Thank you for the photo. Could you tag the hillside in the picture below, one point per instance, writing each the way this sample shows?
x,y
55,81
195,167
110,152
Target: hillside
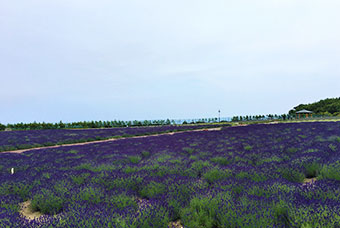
x,y
329,106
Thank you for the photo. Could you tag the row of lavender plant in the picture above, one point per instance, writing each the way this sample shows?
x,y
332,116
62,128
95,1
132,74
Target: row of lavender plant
x,y
13,140
238,177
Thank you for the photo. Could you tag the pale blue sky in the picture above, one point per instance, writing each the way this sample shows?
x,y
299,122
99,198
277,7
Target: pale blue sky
x,y
76,60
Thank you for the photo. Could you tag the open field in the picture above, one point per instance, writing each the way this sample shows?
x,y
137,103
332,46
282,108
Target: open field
x,y
16,140
265,175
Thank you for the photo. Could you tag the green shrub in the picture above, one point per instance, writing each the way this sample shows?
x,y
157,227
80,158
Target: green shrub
x,y
331,171
163,158
179,195
292,150
242,175
188,150
153,189
292,175
91,195
129,183
258,177
80,179
201,213
220,160
237,189
19,189
134,159
332,147
281,213
47,202
312,169
130,170
214,175
145,154
248,147
153,217
198,167
122,201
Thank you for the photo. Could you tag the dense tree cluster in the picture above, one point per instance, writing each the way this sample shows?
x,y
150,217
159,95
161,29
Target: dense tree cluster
x,y
2,127
326,107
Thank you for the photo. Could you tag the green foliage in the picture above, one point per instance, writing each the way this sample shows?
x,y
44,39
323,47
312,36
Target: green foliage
x,y
130,170
46,175
153,190
2,127
214,175
331,171
258,177
19,189
80,179
134,159
179,194
72,152
292,150
268,160
129,183
292,175
259,191
281,213
87,166
122,201
200,213
153,217
188,150
145,154
329,105
332,147
220,160
91,195
312,169
198,166
193,157
242,175
248,147
322,216
163,158
47,202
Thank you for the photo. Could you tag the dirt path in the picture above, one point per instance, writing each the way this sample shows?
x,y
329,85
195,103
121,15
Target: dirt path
x,y
109,140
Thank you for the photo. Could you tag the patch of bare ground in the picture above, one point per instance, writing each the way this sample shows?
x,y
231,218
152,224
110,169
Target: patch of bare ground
x,y
108,140
26,211
274,122
142,203
176,224
309,181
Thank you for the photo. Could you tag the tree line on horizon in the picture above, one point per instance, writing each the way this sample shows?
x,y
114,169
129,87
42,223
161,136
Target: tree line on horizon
x,y
101,124
135,123
262,117
326,107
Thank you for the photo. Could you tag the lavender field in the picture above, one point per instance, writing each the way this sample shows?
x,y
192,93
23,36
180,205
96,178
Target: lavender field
x,y
13,140
265,175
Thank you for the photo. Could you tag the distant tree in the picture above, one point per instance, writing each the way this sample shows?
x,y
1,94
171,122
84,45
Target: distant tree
x,y
235,118
2,127
61,124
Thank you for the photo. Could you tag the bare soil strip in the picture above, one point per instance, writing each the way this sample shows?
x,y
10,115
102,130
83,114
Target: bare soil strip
x,y
26,211
309,181
109,140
